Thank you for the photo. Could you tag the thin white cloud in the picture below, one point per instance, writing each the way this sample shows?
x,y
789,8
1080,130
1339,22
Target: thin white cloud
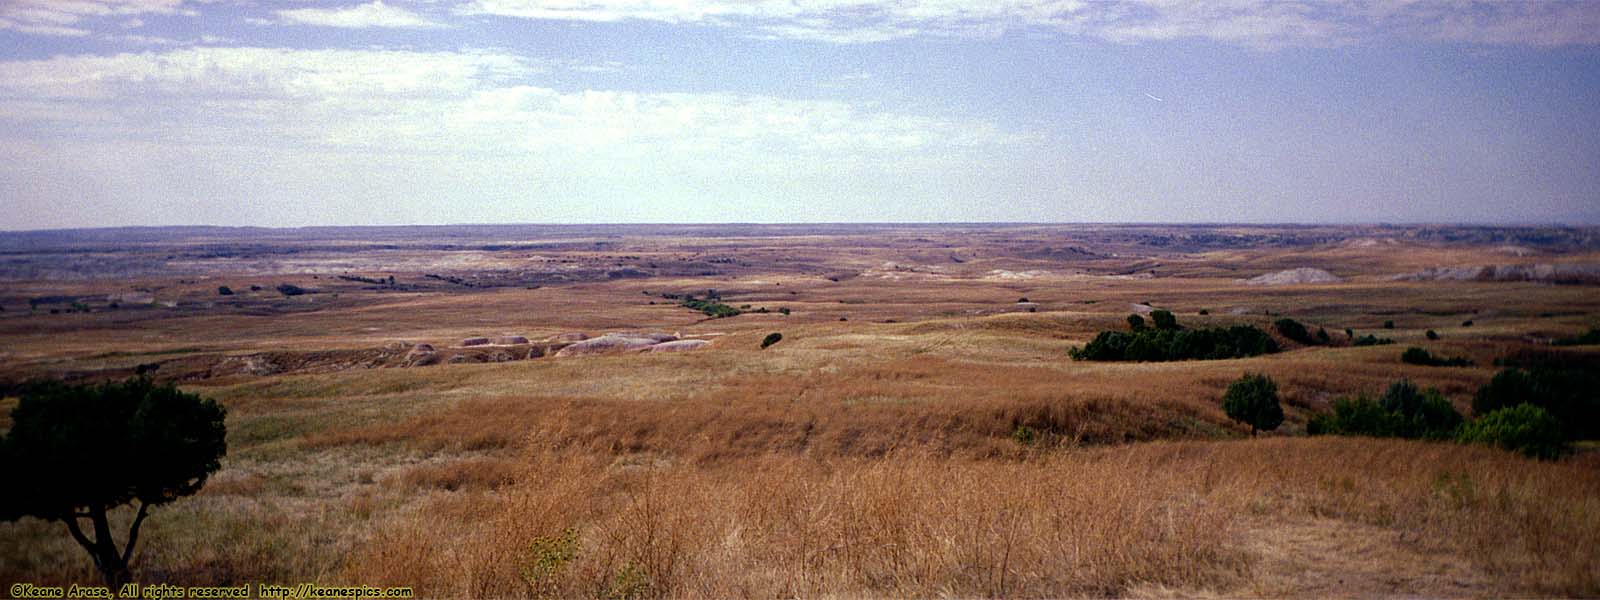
x,y
360,16
71,17
1254,23
450,103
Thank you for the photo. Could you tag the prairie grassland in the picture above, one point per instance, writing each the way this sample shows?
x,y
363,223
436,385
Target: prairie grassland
x,y
938,442
881,460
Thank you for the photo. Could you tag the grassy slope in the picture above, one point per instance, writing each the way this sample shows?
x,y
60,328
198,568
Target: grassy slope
x,y
857,457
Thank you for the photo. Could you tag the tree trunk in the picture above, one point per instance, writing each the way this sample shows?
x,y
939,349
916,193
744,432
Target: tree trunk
x,y
113,565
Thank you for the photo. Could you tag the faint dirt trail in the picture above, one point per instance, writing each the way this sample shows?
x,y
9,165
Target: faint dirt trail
x,y
1329,558
1322,558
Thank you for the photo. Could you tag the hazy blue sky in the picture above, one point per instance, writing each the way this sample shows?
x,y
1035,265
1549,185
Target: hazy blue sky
x,y
284,112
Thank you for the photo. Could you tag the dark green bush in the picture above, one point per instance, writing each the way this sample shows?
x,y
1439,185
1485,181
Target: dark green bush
x,y
1322,336
1388,324
1253,400
1402,411
1156,345
772,338
1523,428
1419,413
289,289
1135,322
711,308
1293,330
1572,396
1164,319
1352,416
1370,340
1419,356
1587,338
1432,335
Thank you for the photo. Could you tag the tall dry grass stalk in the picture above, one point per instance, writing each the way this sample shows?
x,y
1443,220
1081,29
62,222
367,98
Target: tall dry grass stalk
x,y
1092,522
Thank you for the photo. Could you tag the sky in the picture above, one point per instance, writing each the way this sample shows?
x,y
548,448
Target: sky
x,y
341,112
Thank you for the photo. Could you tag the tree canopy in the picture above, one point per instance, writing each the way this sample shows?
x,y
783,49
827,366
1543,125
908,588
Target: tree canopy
x,y
1253,400
75,452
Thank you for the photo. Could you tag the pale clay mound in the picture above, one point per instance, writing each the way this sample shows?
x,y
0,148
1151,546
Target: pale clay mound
x,y
607,344
1566,273
1298,276
678,346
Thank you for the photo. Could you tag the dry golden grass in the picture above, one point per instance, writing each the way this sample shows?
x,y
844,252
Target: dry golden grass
x,y
952,452
1089,522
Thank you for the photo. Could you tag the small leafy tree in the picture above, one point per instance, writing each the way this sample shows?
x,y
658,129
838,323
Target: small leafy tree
x,y
772,338
76,453
1253,400
1135,322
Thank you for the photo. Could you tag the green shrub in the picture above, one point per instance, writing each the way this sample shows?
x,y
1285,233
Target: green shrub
x,y
1588,338
1370,340
1024,435
1571,395
1402,411
1388,324
1135,322
1253,400
1322,336
772,338
1432,335
1419,414
1352,416
1523,428
1419,356
1164,319
546,559
1466,323
1293,330
711,308
1157,345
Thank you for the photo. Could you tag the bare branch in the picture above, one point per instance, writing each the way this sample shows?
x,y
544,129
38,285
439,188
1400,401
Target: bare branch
x,y
83,540
133,531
